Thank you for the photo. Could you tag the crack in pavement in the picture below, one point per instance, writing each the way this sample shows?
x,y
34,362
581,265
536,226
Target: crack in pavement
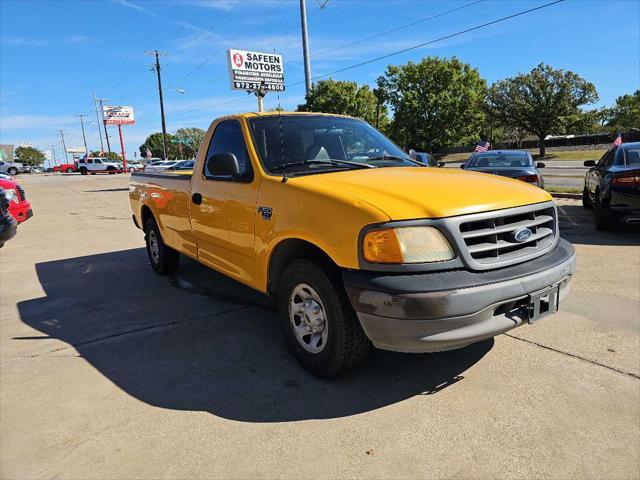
x,y
593,362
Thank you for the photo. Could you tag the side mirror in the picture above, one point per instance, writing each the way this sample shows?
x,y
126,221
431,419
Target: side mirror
x,y
223,164
540,165
441,164
413,154
590,163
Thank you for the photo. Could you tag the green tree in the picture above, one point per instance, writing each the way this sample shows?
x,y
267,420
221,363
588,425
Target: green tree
x,y
588,121
190,139
30,155
625,114
543,101
345,98
437,102
154,143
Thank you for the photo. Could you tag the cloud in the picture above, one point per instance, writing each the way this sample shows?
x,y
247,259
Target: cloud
x,y
30,42
151,13
81,39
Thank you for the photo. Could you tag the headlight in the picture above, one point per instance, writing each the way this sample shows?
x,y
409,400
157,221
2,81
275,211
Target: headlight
x,y
11,194
406,245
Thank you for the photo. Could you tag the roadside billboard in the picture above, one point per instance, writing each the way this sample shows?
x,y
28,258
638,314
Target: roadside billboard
x,y
6,153
122,115
249,70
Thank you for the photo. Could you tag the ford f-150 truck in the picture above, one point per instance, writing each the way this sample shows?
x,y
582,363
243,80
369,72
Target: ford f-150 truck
x,y
359,243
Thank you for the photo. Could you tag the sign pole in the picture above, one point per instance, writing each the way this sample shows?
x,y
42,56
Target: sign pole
x,y
124,158
260,105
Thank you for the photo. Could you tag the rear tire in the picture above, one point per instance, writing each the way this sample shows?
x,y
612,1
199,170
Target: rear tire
x,y
602,216
83,171
314,305
69,170
12,171
586,201
163,259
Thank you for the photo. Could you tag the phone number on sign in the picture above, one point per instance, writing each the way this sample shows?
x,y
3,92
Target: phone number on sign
x,y
256,86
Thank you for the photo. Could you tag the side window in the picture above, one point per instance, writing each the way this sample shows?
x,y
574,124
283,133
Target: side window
x,y
90,160
97,161
605,161
228,138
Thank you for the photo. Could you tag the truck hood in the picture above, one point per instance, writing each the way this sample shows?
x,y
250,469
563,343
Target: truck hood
x,y
405,193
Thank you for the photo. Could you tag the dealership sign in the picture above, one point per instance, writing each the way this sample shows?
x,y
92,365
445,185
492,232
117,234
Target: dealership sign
x,y
250,70
118,115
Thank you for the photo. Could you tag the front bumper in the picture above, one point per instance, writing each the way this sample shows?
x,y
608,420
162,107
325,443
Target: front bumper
x,y
22,211
437,311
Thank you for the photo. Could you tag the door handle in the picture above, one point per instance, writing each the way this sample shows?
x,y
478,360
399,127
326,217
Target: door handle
x,y
196,198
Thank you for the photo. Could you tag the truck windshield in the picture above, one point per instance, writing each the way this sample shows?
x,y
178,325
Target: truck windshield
x,y
308,143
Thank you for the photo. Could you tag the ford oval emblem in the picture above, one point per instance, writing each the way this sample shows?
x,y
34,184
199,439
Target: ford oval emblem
x,y
522,234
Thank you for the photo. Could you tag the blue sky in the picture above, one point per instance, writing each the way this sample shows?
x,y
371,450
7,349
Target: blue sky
x,y
55,54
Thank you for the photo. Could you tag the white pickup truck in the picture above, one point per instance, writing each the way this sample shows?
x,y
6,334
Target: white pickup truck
x,y
93,165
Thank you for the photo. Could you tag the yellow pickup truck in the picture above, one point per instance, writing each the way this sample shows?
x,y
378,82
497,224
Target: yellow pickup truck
x,y
359,243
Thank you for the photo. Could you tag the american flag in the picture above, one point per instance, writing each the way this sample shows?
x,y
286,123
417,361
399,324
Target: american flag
x,y
482,146
616,142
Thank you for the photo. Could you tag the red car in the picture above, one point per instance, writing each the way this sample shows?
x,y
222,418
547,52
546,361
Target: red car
x,y
19,207
65,167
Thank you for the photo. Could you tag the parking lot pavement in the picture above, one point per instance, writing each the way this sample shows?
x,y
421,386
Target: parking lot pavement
x,y
110,371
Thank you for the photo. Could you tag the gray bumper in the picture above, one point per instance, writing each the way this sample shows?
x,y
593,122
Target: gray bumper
x,y
451,309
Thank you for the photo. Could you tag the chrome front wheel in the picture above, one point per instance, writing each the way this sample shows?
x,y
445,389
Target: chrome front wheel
x,y
308,318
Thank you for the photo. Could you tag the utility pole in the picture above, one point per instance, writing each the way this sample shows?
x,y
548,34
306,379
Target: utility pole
x,y
305,46
84,139
64,147
95,104
53,156
106,134
156,67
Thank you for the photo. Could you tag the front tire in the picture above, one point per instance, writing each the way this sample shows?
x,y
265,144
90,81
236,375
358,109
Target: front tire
x,y
69,170
83,171
319,325
163,259
12,171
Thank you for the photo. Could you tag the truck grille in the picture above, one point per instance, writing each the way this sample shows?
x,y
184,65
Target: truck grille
x,y
491,239
21,195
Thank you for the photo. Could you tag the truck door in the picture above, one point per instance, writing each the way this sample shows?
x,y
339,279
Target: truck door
x,y
223,207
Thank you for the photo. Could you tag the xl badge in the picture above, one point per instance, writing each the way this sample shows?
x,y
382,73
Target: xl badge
x,y
522,234
266,212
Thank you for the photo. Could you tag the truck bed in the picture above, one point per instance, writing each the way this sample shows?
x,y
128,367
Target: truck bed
x,y
168,197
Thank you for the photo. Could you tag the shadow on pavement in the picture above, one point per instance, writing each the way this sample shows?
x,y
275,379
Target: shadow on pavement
x,y
199,341
576,226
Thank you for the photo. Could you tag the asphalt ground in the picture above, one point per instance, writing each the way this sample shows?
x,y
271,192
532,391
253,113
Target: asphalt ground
x,y
108,370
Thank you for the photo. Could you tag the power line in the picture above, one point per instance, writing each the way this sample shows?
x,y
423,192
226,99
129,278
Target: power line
x,y
439,39
366,62
393,30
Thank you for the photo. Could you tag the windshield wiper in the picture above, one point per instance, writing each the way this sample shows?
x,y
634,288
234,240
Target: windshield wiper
x,y
395,157
321,162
